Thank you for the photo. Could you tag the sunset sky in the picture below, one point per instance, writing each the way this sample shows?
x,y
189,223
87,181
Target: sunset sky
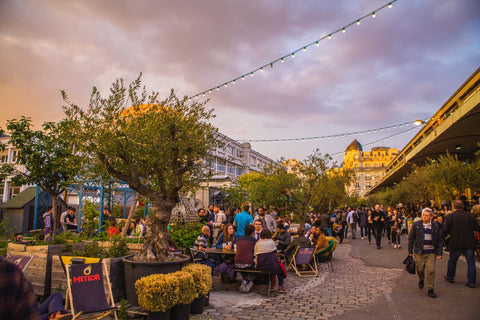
x,y
396,67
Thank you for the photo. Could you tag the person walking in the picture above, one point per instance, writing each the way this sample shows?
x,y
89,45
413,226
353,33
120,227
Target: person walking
x,y
460,225
378,220
426,245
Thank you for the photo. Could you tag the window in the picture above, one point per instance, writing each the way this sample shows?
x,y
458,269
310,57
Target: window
x,y
239,153
230,150
221,166
231,169
357,185
4,158
239,171
253,161
210,164
14,156
14,191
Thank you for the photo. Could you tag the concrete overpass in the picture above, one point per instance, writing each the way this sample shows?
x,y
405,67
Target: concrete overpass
x,y
454,128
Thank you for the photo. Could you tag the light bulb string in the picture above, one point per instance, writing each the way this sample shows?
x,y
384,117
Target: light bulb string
x,y
376,141
281,59
345,134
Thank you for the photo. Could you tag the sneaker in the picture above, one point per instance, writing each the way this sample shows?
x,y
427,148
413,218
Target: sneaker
x,y
421,284
362,238
249,286
399,246
243,286
281,289
431,293
447,279
470,285
395,246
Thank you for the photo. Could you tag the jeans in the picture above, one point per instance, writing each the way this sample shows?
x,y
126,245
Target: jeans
x,y
51,305
363,232
377,233
452,264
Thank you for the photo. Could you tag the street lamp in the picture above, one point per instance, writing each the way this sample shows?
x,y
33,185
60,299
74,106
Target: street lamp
x,y
418,122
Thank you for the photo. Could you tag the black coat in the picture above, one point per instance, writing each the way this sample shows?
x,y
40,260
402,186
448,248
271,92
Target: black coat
x,y
460,225
417,235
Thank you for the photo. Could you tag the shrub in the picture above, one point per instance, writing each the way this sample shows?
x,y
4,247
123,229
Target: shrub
x,y
157,292
202,277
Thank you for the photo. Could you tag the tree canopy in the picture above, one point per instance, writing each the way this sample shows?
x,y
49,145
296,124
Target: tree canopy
x,y
157,147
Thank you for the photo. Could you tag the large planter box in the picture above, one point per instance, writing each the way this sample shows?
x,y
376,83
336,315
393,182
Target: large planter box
x,y
135,270
44,270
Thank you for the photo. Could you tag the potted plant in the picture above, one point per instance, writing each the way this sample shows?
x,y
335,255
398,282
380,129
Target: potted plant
x,y
202,277
187,293
157,294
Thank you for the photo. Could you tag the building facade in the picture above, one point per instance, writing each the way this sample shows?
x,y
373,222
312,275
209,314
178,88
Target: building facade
x,y
369,166
9,155
225,164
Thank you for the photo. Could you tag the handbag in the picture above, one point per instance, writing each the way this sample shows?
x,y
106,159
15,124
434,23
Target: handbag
x,y
410,265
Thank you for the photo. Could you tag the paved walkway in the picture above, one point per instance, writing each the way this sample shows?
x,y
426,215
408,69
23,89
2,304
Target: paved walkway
x,y
366,283
351,284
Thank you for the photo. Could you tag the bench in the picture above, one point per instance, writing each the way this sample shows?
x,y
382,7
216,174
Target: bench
x,y
258,272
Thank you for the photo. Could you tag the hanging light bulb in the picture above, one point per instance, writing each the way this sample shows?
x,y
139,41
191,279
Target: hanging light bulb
x,y
330,36
233,82
293,54
251,73
390,5
343,30
304,49
316,43
210,91
358,22
261,69
282,60
243,77
373,14
218,88
271,65
225,84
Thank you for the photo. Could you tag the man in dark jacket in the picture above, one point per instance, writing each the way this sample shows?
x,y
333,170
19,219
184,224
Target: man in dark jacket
x,y
378,219
425,240
460,225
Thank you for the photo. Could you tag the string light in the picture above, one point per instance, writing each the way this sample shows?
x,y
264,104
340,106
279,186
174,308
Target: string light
x,y
379,140
338,135
304,48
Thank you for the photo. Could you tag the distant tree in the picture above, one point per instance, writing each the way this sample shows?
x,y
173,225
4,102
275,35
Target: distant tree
x,y
47,156
155,146
331,191
451,177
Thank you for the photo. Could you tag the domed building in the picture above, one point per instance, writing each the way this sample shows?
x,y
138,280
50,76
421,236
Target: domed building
x,y
369,166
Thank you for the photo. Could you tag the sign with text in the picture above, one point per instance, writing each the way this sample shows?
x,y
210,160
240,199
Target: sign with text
x,y
88,293
304,255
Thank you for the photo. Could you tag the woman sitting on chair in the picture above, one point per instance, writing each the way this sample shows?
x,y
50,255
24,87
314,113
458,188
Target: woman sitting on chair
x,y
265,250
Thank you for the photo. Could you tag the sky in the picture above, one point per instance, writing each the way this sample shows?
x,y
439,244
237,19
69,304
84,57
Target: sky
x,y
394,68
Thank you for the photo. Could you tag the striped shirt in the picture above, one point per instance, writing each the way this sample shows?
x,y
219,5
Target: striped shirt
x,y
427,239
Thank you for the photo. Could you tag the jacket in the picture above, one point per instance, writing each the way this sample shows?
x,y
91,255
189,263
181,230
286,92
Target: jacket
x,y
460,225
416,237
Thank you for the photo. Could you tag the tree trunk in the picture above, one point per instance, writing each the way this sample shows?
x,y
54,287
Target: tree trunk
x,y
157,239
129,218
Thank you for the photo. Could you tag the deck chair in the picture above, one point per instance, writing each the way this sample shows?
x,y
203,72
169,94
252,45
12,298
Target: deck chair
x,y
85,289
21,261
304,256
322,256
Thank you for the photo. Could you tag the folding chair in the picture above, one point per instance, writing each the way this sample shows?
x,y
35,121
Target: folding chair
x,y
85,289
321,257
21,261
304,256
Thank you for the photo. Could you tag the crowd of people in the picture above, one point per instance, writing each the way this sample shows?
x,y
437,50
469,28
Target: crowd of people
x,y
262,237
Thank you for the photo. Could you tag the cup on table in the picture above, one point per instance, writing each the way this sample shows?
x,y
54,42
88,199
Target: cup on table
x,y
224,245
235,247
229,243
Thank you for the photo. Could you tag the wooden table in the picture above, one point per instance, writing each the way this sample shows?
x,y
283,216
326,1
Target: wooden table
x,y
220,251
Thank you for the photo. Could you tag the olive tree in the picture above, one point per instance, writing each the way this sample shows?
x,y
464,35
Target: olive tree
x,y
156,146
